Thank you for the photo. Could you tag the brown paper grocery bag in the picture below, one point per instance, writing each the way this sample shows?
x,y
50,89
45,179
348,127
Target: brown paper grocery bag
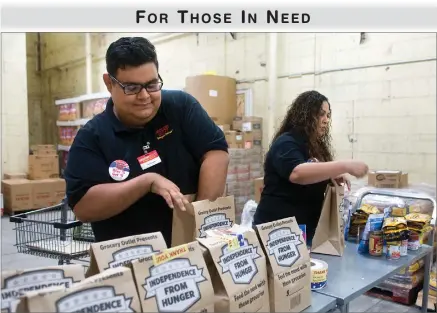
x,y
288,266
329,238
120,252
201,216
175,280
237,265
112,290
16,283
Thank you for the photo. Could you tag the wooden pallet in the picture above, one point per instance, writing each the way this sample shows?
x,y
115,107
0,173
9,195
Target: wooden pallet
x,y
408,298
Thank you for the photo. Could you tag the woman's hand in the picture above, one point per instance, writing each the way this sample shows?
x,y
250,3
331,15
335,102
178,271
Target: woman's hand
x,y
342,180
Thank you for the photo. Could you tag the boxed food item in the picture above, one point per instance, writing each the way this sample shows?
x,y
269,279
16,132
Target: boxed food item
x,y
17,195
289,266
66,134
174,280
15,283
237,266
120,252
201,216
69,111
91,108
216,94
111,291
43,166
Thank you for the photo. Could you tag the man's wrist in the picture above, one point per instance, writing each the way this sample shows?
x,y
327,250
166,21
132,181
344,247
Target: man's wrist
x,y
149,180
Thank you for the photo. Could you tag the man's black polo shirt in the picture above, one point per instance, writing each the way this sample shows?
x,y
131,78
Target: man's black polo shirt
x,y
181,133
281,198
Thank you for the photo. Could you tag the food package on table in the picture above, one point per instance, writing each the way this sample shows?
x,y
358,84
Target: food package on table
x,y
395,211
379,201
374,223
359,218
417,221
394,228
420,206
425,234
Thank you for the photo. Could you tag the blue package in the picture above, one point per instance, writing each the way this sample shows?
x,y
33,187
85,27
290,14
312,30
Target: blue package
x,y
303,228
374,223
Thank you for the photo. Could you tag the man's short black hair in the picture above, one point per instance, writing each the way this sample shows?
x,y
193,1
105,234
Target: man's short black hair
x,y
129,52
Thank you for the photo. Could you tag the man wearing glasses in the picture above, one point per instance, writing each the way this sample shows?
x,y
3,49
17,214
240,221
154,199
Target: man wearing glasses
x,y
132,164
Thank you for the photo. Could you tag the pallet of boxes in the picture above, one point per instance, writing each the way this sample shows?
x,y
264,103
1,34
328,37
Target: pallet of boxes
x,y
218,96
40,187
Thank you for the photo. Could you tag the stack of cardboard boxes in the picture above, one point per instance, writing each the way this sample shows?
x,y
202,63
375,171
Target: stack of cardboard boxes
x,y
218,96
40,187
245,165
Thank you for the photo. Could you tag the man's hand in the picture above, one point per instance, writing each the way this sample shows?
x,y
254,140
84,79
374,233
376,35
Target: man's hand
x,y
342,179
169,191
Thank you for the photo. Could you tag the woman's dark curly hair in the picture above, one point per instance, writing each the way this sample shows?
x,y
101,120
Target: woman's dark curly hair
x,y
302,116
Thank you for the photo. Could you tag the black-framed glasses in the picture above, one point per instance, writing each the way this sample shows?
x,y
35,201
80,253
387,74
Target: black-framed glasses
x,y
133,89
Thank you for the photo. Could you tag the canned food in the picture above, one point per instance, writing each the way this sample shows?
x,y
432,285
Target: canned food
x,y
414,241
393,250
404,247
375,243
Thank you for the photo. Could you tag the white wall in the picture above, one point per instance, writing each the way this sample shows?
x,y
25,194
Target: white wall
x,y
14,114
382,91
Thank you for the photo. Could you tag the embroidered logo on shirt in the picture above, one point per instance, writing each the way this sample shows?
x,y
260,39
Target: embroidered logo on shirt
x,y
163,131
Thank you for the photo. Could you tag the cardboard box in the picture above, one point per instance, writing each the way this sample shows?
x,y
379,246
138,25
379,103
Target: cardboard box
x,y
388,179
23,194
225,127
43,150
43,166
233,137
258,186
47,192
17,195
289,266
216,94
15,176
247,123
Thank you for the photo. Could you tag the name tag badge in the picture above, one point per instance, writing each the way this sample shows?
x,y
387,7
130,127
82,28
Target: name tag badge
x,y
149,159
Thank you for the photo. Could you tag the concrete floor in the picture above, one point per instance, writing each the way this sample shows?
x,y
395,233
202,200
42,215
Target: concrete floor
x,y
12,260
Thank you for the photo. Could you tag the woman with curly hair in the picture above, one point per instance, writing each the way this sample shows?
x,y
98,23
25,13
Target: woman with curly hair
x,y
300,164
